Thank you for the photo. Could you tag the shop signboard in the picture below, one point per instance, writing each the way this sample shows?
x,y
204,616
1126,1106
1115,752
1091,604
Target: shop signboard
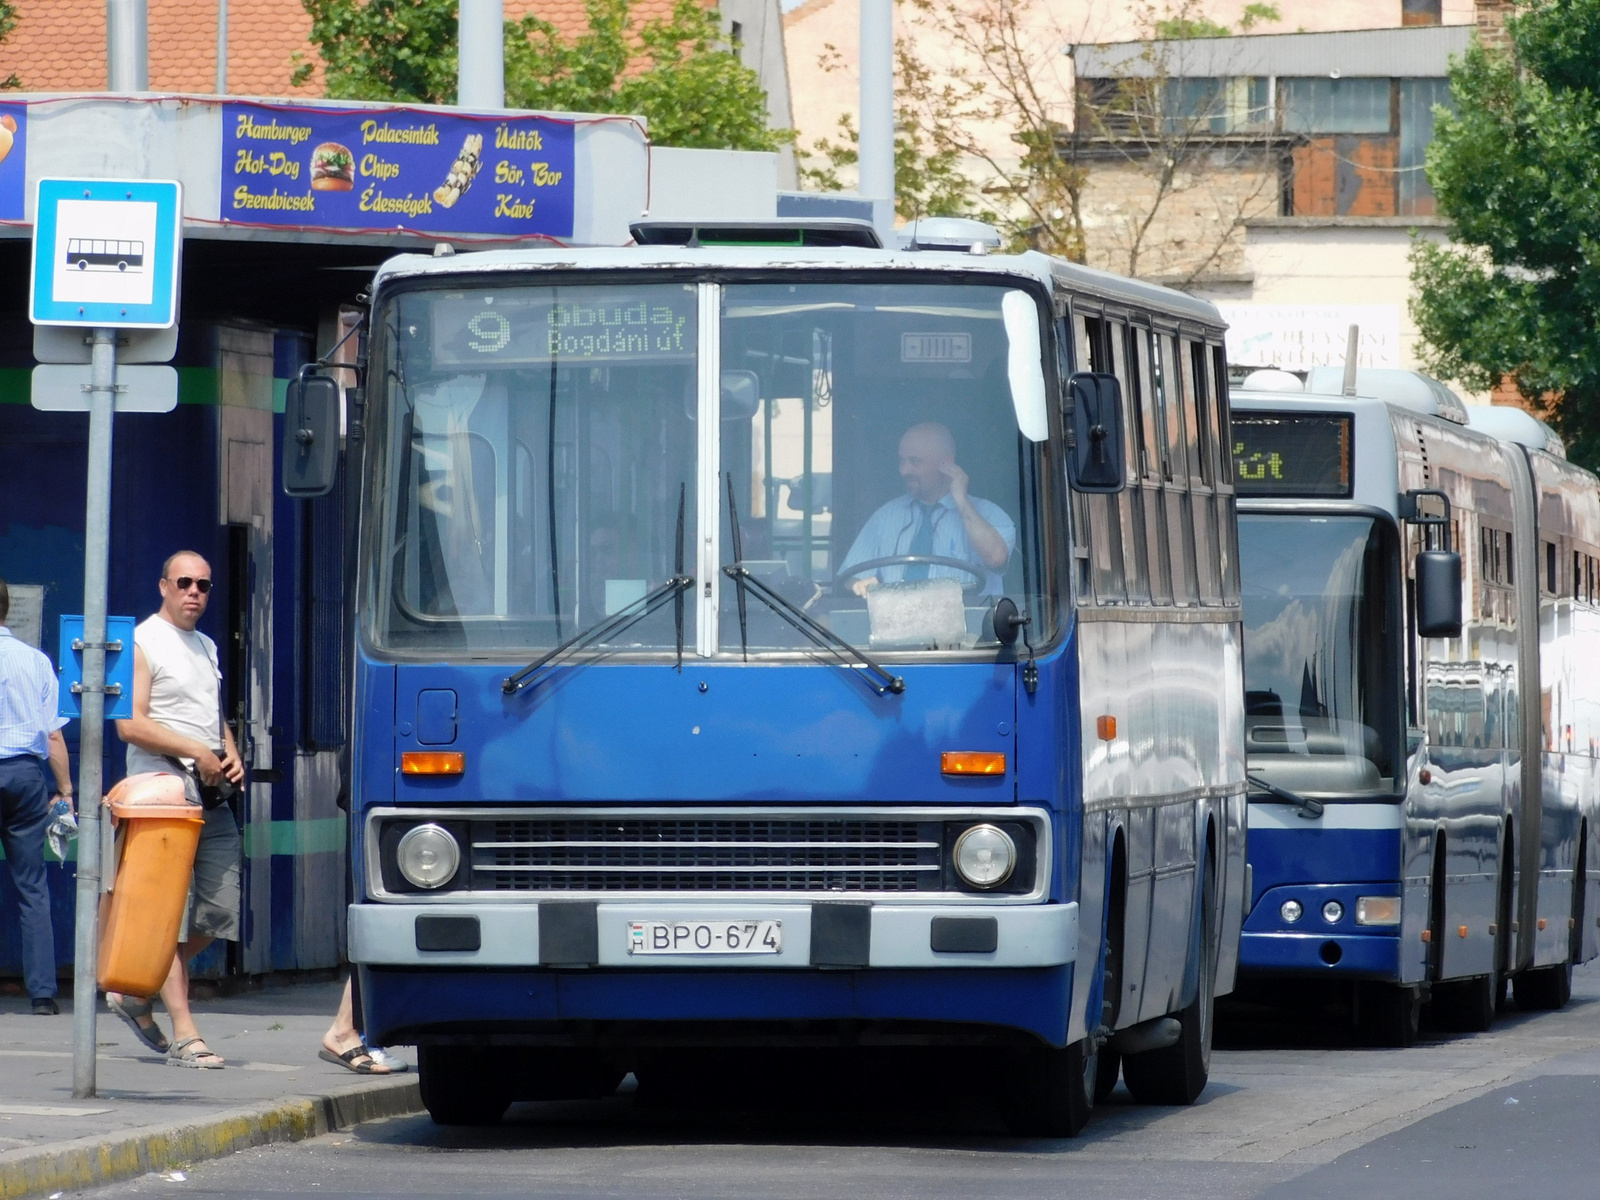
x,y
13,162
407,168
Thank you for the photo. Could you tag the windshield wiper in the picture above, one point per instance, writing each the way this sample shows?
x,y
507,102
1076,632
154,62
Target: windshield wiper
x,y
794,614
627,615
820,634
1308,807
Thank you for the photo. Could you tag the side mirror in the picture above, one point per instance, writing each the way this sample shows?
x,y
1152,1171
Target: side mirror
x,y
310,436
741,395
1438,594
1095,461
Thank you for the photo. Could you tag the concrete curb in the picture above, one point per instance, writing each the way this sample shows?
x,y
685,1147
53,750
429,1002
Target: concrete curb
x,y
93,1161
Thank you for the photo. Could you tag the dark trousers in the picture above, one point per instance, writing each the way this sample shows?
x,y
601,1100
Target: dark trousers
x,y
24,813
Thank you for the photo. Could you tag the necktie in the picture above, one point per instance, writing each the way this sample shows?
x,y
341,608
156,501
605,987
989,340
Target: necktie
x,y
921,540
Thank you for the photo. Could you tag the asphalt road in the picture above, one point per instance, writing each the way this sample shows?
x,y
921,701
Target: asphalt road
x,y
1294,1109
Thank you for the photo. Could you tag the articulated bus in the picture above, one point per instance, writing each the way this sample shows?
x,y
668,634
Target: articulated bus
x,y
738,666
1422,625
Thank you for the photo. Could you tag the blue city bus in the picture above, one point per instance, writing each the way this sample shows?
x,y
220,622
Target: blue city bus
x,y
644,770
1422,710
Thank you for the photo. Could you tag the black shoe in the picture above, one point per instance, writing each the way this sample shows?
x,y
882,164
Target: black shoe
x,y
44,1006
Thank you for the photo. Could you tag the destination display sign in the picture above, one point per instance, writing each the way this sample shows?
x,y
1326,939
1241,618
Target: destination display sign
x,y
397,167
514,326
1292,454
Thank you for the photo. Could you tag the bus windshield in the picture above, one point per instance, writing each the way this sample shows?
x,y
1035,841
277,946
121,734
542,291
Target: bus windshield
x,y
1321,655
877,464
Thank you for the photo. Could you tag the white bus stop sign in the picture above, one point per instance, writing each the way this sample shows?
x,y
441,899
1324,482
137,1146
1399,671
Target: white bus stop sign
x,y
105,253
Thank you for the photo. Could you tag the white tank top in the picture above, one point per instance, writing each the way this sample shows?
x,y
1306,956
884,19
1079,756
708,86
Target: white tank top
x,y
185,683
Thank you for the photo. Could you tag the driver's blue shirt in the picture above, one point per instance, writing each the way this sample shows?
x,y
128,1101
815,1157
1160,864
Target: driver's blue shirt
x,y
890,531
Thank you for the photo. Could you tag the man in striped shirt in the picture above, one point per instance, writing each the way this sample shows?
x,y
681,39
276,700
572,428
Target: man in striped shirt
x,y
30,738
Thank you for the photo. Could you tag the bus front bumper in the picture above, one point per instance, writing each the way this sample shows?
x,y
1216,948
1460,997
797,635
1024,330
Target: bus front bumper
x,y
822,935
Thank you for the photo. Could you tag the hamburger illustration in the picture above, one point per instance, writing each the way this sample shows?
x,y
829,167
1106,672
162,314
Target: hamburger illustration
x,y
333,168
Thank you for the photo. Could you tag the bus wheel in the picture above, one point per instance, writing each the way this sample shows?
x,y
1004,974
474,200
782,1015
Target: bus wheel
x,y
1110,1070
1390,1014
1051,1092
1465,1005
1177,1074
1543,989
461,1085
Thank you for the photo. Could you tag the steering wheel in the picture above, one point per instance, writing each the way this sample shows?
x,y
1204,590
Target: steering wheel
x,y
978,572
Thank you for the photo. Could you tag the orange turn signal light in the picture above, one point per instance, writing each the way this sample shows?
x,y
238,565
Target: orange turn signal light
x,y
432,762
1105,728
972,762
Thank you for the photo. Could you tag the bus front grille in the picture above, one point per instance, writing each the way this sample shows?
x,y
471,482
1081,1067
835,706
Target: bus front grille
x,y
637,854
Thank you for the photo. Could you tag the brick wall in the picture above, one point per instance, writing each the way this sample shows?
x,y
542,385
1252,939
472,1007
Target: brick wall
x,y
1196,228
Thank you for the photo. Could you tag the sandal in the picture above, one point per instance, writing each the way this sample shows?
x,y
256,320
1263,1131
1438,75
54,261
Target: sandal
x,y
184,1054
348,1060
131,1011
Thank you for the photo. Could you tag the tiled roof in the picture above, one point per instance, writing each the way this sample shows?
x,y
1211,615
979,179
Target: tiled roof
x,y
60,45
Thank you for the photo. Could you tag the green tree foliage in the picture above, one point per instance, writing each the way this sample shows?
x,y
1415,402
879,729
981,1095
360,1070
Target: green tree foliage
x,y
675,70
1183,25
1517,169
8,22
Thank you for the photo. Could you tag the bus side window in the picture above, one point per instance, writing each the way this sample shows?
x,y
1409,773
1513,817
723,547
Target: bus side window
x,y
1217,378
1085,335
1157,540
1136,578
1207,545
1196,405
1216,374
1183,522
1143,404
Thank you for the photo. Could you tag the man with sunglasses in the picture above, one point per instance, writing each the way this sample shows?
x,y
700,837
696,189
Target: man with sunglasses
x,y
177,729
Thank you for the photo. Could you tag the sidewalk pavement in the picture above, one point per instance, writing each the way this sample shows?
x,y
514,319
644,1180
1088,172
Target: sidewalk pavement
x,y
149,1116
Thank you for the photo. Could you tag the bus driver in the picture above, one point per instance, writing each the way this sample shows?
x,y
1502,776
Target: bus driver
x,y
936,517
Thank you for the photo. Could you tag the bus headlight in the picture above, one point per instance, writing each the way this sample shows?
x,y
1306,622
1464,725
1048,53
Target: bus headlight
x,y
1333,912
1291,911
985,856
428,856
1377,910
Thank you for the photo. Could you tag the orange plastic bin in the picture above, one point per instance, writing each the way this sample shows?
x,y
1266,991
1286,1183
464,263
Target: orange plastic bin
x,y
140,916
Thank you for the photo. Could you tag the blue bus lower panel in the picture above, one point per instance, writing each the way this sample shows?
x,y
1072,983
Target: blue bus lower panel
x,y
1313,855
402,1005
1363,955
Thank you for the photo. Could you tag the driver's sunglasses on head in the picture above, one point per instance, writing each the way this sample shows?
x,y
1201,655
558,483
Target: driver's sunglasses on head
x,y
184,582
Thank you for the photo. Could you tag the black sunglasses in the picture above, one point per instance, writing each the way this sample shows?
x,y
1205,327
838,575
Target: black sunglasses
x,y
184,582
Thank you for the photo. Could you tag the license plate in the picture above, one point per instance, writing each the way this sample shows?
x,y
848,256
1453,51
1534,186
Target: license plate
x,y
705,937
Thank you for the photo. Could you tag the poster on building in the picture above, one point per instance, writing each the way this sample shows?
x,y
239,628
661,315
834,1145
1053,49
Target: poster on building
x,y
1297,337
13,162
397,167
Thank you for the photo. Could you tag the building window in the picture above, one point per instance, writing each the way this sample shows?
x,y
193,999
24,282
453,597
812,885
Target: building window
x,y
1421,12
1336,106
1226,105
1418,97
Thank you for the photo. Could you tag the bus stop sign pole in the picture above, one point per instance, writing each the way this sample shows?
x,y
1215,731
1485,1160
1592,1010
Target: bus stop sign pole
x,y
91,736
105,261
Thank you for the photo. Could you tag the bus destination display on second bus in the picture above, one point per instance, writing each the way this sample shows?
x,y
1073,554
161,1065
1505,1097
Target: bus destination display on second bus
x,y
539,325
1291,454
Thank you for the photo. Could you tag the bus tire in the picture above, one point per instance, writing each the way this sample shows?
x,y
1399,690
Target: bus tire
x,y
1390,1014
461,1086
1465,1005
1050,1093
1543,989
1546,989
1177,1074
1109,1071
